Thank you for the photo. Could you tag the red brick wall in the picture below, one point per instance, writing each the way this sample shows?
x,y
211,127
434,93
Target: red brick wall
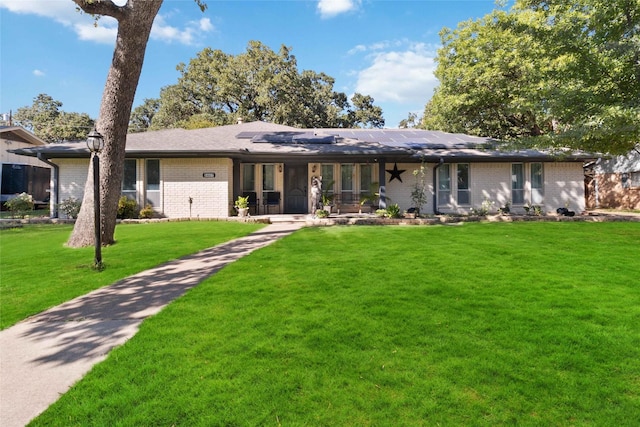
x,y
611,194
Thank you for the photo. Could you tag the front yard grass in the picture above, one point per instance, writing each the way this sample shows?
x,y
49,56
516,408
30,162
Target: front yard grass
x,y
481,324
37,271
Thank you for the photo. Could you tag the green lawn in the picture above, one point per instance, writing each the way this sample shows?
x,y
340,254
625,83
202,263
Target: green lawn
x,y
481,324
37,271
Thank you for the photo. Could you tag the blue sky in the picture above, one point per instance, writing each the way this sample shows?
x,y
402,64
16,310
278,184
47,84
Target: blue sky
x,y
380,48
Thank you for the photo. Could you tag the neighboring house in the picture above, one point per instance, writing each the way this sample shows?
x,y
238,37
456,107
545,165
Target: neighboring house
x,y
199,173
614,183
22,174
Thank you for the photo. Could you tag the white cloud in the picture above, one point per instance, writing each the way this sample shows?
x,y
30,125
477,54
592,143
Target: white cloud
x,y
357,49
331,8
39,73
206,25
162,31
104,31
399,76
65,13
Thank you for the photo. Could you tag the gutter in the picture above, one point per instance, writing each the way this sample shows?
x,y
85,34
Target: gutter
x,y
435,186
53,186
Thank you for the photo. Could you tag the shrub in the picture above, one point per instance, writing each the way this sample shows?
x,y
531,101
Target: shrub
x,y
484,209
533,210
321,213
70,207
418,191
147,212
20,205
127,208
393,211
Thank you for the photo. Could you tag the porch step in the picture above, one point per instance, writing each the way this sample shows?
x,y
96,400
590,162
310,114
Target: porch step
x,y
288,218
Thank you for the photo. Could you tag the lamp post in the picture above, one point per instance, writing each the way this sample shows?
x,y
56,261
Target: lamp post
x,y
95,143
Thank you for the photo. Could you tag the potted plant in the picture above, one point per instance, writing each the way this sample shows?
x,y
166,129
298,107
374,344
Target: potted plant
x,y
327,198
242,205
411,213
327,202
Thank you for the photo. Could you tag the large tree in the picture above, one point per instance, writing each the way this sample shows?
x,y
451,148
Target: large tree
x,y
216,88
552,73
135,19
47,121
142,115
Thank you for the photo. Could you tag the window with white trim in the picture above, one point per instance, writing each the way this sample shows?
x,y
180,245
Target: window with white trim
x,y
366,178
248,177
152,167
464,191
130,179
444,185
346,182
268,177
537,184
517,183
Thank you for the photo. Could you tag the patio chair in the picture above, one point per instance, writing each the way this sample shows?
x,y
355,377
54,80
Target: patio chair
x,y
272,198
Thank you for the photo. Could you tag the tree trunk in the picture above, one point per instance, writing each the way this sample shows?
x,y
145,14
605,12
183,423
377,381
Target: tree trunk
x,y
135,19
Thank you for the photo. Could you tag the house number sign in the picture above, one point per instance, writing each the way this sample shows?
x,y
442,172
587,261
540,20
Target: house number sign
x,y
209,175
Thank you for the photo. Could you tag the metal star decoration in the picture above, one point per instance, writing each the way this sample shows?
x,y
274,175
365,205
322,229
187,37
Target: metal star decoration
x,y
395,173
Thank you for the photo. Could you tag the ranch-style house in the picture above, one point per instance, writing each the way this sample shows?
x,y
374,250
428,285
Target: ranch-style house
x,y
199,173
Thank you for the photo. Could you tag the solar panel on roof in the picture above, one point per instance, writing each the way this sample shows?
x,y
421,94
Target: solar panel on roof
x,y
314,139
289,138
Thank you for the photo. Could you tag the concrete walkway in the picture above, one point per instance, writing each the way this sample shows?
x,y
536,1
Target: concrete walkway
x,y
41,357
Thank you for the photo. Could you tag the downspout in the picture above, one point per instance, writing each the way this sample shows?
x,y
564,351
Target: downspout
x,y
435,186
53,187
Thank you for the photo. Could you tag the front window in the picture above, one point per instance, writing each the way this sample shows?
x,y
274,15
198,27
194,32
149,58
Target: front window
x,y
464,193
248,177
517,183
346,182
444,185
268,177
366,179
537,184
153,182
328,179
130,179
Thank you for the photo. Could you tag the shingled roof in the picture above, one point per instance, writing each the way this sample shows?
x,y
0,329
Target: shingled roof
x,y
268,140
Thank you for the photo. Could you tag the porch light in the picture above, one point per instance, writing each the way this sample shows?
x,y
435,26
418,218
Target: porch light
x,y
95,141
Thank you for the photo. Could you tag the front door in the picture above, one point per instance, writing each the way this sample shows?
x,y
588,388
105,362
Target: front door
x,y
295,189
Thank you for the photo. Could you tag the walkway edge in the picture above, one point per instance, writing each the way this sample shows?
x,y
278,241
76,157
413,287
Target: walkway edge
x,y
44,355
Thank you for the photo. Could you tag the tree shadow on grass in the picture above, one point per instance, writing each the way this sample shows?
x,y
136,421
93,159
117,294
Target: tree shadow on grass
x,y
91,325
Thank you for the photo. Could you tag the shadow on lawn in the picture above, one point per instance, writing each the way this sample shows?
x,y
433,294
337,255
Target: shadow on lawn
x,y
91,325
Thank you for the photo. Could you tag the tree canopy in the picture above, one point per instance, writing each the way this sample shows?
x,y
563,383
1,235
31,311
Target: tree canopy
x,y
47,121
549,73
216,88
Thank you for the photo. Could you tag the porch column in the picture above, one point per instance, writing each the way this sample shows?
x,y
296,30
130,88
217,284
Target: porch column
x,y
382,180
236,179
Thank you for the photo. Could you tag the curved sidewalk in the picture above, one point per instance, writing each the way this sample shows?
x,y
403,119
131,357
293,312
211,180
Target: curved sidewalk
x,y
44,355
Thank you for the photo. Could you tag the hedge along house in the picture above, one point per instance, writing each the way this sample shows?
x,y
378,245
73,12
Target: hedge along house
x,y
199,173
22,174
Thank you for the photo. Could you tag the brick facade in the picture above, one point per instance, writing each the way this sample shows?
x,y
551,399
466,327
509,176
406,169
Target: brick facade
x,y
208,183
182,179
